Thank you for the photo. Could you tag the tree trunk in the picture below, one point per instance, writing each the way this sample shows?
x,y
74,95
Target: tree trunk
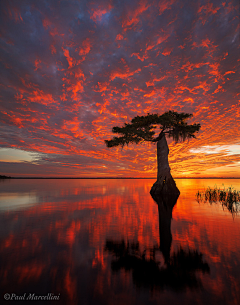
x,y
165,187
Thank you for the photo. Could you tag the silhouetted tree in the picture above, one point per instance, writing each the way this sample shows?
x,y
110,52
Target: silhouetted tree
x,y
142,128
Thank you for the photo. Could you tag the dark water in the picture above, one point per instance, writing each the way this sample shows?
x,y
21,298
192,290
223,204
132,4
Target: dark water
x,y
108,242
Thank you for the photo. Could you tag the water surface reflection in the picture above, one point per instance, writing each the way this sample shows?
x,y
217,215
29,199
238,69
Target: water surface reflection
x,y
57,243
178,271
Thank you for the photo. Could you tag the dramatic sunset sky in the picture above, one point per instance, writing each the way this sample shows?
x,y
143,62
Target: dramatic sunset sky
x,y
71,70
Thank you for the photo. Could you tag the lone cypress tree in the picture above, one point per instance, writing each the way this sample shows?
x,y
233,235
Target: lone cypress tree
x,y
142,128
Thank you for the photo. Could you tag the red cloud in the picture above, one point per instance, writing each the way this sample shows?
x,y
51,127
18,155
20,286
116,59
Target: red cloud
x,y
133,15
165,5
85,47
70,60
96,14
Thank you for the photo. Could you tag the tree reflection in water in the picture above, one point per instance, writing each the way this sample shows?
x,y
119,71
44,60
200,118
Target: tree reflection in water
x,y
180,268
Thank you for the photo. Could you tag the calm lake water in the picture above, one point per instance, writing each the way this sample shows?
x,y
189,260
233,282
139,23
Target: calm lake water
x,y
107,242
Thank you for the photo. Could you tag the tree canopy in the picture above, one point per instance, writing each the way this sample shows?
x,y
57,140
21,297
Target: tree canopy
x,y
142,128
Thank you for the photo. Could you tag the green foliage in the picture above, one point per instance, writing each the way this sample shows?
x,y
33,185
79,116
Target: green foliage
x,y
141,128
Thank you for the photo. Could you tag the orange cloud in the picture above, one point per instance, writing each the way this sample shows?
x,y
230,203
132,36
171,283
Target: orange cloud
x,y
123,75
142,58
86,47
119,37
38,96
37,63
167,51
165,5
132,16
70,60
207,10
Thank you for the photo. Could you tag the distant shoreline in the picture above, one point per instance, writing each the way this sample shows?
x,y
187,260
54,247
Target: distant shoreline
x,y
7,177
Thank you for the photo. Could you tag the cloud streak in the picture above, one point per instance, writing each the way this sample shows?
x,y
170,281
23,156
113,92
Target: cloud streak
x,y
70,71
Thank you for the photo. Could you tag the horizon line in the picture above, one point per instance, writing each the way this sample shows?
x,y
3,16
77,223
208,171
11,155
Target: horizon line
x,y
34,177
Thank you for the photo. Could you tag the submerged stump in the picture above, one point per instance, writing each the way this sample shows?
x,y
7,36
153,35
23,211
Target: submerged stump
x,y
165,186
